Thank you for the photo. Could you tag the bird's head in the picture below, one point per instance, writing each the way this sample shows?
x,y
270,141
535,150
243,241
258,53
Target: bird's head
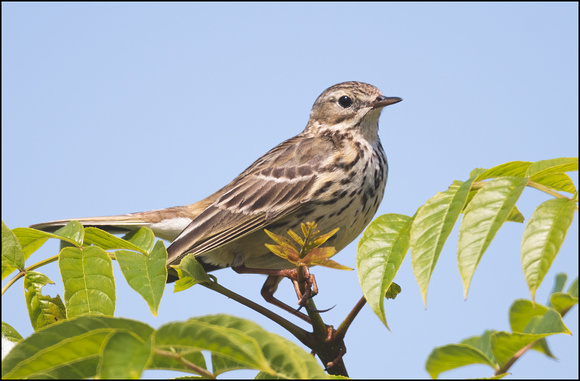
x,y
349,106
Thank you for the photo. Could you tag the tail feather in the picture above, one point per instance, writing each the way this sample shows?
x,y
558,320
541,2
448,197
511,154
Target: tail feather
x,y
165,223
112,224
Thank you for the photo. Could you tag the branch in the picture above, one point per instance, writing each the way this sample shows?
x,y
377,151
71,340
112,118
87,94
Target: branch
x,y
326,344
341,331
322,340
304,336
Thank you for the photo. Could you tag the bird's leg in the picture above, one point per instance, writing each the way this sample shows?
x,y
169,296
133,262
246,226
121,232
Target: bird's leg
x,y
310,289
268,290
271,284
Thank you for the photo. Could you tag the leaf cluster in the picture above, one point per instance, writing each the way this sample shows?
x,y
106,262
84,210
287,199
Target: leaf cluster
x,y
92,346
80,337
530,324
305,251
487,199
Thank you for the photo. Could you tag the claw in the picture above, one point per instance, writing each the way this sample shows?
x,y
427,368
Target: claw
x,y
319,311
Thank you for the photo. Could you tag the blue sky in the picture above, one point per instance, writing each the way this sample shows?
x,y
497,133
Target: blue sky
x,y
110,108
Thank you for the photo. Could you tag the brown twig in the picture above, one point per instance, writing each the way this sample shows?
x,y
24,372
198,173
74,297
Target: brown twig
x,y
341,331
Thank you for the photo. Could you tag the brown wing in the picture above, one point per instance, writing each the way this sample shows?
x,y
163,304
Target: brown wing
x,y
274,186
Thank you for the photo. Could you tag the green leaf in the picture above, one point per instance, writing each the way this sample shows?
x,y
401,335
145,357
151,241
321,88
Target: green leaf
x,y
319,253
143,238
145,274
454,356
505,345
286,252
483,217
32,239
294,236
563,302
319,257
521,314
319,240
307,228
563,164
476,172
380,252
286,359
559,282
190,272
555,181
124,356
9,333
42,309
431,227
308,253
72,232
551,322
71,349
515,215
107,241
12,254
543,236
483,343
89,285
573,290
511,169
197,334
158,361
280,240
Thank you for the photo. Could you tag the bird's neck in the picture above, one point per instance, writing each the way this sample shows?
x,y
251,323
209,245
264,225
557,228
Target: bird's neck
x,y
365,128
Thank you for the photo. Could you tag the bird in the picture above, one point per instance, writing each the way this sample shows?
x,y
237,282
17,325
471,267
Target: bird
x,y
332,173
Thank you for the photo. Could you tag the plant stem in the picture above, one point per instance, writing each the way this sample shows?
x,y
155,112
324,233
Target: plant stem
x,y
319,328
25,271
545,189
531,184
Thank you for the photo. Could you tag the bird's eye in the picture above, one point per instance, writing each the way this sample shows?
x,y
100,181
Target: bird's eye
x,y
344,101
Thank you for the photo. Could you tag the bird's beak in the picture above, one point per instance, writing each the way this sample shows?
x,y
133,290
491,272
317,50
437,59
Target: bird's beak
x,y
383,101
